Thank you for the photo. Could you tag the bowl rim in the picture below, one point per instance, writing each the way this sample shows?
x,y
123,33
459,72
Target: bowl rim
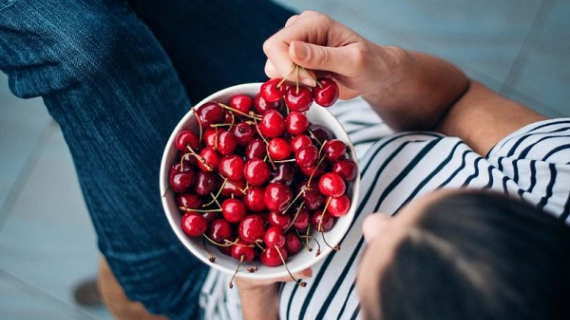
x,y
279,271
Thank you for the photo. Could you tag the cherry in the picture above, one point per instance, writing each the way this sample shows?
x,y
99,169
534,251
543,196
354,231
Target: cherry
x,y
279,149
270,256
193,224
255,149
307,156
332,185
256,172
300,141
186,138
261,105
209,160
206,183
279,219
326,94
210,215
227,143
284,173
272,124
211,137
293,243
334,149
299,98
254,199
274,236
314,171
321,133
251,228
232,167
273,90
233,210
243,250
338,206
181,181
233,187
296,123
346,168
301,221
210,113
277,196
220,230
327,223
243,133
188,201
241,102
313,199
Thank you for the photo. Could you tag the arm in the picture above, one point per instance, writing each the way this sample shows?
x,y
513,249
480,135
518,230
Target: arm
x,y
409,90
258,301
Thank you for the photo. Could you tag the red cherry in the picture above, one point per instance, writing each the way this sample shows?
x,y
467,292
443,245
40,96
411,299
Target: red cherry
x,y
186,138
321,133
326,225
301,223
279,149
327,93
346,168
256,172
300,141
315,171
243,133
220,230
284,173
296,123
293,243
279,219
313,199
241,102
299,98
272,124
189,201
251,228
209,160
210,113
211,137
338,206
231,167
332,185
277,196
193,224
255,149
270,256
234,187
254,199
227,143
272,90
261,105
274,236
243,249
334,149
233,210
307,156
206,183
181,181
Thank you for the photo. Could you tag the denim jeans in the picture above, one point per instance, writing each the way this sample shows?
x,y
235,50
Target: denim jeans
x,y
117,76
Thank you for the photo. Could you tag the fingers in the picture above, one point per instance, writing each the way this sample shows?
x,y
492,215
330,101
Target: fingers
x,y
374,225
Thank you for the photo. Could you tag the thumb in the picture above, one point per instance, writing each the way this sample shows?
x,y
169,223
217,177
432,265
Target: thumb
x,y
315,57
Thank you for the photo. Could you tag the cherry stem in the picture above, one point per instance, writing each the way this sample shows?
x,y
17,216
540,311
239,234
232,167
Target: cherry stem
x,y
314,137
215,198
238,112
294,199
266,147
295,66
318,244
296,214
323,214
284,161
200,158
314,170
231,285
311,76
299,282
227,243
258,244
335,248
297,80
186,209
210,256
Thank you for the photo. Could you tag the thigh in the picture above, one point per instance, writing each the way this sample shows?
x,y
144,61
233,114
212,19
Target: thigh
x,y
213,43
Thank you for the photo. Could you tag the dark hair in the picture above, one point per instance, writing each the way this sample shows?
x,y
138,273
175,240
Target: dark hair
x,y
479,255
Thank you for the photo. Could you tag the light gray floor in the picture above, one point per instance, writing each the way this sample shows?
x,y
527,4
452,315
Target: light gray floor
x,y
47,244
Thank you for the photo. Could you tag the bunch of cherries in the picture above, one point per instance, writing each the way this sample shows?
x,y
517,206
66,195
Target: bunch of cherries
x,y
256,176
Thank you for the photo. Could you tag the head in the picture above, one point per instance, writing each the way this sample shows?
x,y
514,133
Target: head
x,y
465,255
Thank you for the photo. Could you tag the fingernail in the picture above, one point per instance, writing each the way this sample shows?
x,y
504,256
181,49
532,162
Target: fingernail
x,y
302,51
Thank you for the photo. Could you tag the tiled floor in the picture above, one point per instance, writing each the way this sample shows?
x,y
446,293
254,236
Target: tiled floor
x,y
519,48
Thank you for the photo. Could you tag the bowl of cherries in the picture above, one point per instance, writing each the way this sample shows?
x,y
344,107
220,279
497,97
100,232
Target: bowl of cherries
x,y
260,180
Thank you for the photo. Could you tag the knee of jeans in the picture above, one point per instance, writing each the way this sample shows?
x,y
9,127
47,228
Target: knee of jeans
x,y
63,51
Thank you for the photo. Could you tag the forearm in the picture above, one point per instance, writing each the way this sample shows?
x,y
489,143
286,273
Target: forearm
x,y
259,303
419,90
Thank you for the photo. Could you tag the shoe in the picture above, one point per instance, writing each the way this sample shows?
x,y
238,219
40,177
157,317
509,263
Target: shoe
x,y
86,293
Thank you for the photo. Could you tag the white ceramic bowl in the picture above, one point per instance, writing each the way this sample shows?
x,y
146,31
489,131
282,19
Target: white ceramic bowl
x,y
302,260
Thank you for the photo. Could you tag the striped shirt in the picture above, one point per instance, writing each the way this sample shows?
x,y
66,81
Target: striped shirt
x,y
532,163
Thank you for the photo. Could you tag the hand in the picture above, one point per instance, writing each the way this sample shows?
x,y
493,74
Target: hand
x,y
317,42
260,298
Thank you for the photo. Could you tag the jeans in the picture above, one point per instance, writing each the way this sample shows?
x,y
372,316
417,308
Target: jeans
x,y
117,76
